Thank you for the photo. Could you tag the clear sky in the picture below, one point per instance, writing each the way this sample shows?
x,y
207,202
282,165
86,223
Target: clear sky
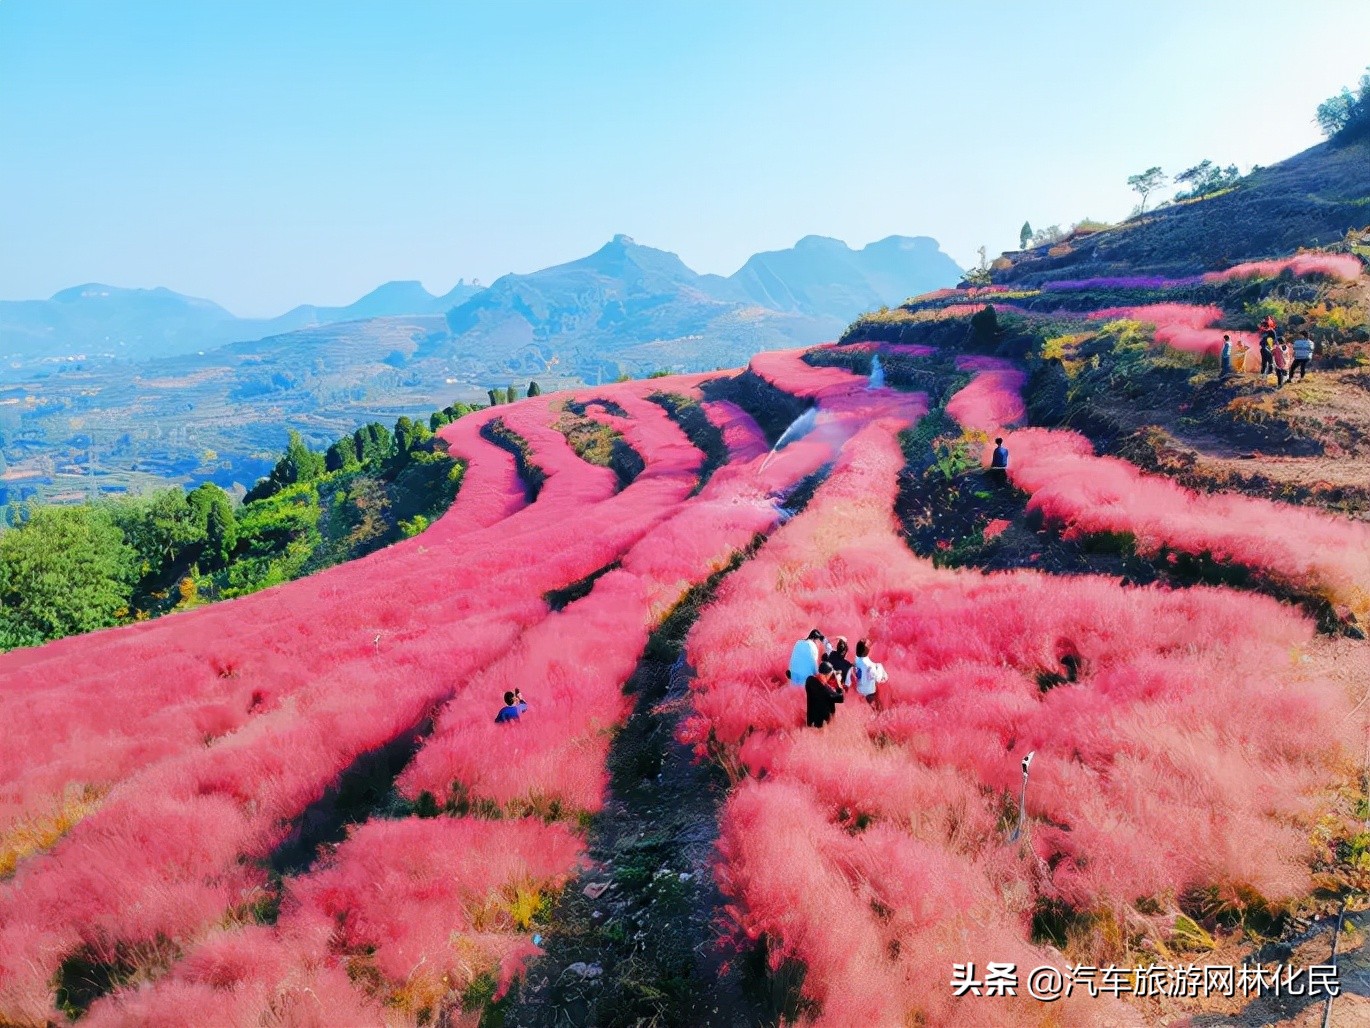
x,y
273,153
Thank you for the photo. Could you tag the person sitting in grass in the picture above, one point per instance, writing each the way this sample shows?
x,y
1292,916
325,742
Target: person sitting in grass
x,y
514,707
823,693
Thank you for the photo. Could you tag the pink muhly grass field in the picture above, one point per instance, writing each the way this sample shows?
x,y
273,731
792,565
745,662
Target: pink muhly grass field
x,y
490,487
430,904
187,679
1086,494
1189,734
573,665
351,696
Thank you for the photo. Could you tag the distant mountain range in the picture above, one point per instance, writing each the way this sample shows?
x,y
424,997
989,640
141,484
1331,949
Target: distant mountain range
x,y
141,324
174,388
622,296
629,307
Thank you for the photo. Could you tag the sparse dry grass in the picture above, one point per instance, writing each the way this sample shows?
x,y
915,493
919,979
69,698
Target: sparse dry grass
x,y
38,832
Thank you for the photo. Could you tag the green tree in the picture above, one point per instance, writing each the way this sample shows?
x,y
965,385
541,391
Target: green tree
x,y
511,395
1334,113
410,436
1346,115
1024,235
301,464
1048,236
298,464
984,327
218,528
496,397
373,443
342,455
65,570
534,389
172,525
979,275
1204,178
404,436
1145,183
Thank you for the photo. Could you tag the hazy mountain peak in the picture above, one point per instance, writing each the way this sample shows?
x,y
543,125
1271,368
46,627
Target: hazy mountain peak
x,y
622,257
812,242
822,275
924,244
100,291
398,291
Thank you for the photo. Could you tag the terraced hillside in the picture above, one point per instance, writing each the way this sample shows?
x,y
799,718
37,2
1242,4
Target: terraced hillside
x,y
297,808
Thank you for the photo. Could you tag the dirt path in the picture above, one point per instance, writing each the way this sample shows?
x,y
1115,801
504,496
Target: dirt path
x,y
636,938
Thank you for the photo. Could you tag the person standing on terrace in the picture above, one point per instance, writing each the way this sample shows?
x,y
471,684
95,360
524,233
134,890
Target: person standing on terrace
x,y
823,693
1282,359
805,656
1243,362
998,461
1303,353
1227,356
1267,354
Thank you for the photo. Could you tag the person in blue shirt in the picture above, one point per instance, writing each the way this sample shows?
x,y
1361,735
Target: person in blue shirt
x,y
514,706
998,462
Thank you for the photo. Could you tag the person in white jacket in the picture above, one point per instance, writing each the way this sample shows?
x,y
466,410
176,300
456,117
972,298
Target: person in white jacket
x,y
805,657
867,674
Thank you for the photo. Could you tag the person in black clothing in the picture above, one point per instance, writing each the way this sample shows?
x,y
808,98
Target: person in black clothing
x,y
1267,355
841,662
824,693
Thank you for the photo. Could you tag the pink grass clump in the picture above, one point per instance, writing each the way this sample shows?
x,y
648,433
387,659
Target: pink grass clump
x,y
1181,325
994,397
1344,266
401,889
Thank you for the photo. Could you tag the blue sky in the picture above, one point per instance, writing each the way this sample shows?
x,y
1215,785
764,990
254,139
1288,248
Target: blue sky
x,y
268,154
